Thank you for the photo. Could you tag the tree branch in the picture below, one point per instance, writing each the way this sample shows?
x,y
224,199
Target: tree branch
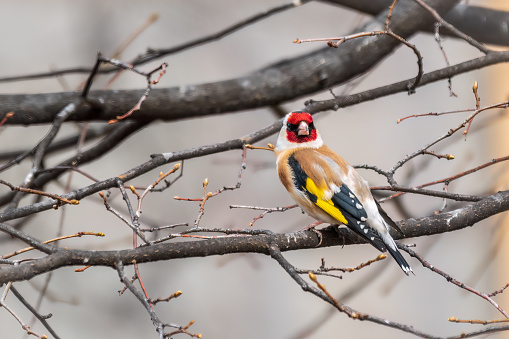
x,y
486,25
434,224
272,85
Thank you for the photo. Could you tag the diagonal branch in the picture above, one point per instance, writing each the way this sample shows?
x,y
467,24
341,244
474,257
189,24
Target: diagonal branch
x,y
321,70
483,24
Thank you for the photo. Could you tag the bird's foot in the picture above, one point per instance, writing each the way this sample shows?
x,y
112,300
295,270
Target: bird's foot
x,y
311,227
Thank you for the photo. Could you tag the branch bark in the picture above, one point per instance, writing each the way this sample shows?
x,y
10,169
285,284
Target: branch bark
x,y
435,224
483,24
272,85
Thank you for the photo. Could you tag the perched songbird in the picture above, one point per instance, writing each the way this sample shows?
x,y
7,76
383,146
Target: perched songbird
x,y
327,188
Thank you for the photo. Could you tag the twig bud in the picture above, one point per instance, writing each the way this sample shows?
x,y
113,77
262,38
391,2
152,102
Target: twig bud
x,y
475,87
205,182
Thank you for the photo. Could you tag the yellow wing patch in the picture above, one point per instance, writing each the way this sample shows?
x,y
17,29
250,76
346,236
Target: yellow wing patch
x,y
326,205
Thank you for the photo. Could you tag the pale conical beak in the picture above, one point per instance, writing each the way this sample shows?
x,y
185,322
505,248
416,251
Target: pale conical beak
x,y
303,128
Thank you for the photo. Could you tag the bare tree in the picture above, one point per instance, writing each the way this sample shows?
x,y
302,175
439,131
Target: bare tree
x,y
132,161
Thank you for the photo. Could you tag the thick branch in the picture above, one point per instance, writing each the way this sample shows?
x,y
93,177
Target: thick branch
x,y
435,224
273,85
483,24
402,86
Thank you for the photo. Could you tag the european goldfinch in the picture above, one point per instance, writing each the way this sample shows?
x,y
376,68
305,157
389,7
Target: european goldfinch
x,y
327,188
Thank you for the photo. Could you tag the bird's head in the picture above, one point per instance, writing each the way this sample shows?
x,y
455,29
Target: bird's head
x,y
298,131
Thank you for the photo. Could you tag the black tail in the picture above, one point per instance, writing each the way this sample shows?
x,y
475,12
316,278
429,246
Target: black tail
x,y
400,260
381,243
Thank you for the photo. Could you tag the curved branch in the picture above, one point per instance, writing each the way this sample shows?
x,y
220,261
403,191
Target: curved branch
x,y
153,54
483,24
194,101
156,161
273,85
353,314
435,224
121,132
402,86
486,25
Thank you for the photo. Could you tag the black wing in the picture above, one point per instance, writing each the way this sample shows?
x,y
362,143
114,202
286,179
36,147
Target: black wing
x,y
345,203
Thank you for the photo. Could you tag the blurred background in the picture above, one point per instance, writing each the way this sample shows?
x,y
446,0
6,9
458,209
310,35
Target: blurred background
x,y
250,296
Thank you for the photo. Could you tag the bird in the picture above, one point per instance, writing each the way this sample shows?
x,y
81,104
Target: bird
x,y
328,188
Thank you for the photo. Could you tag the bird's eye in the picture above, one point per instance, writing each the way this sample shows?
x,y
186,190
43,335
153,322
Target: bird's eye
x,y
291,127
311,126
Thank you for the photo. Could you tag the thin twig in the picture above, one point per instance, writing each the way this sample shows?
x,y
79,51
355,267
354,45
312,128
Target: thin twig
x,y
444,136
434,114
173,296
322,270
117,214
353,314
79,235
149,188
438,39
477,107
153,316
155,229
266,210
452,280
60,200
40,317
453,29
153,54
171,182
24,326
448,179
145,95
388,32
482,322
148,307
389,16
208,195
498,291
